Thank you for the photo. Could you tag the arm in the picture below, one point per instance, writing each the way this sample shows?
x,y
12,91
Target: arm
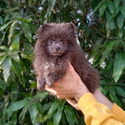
x,y
96,108
98,113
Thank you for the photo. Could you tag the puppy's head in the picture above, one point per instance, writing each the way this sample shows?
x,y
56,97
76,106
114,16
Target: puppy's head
x,y
57,47
56,38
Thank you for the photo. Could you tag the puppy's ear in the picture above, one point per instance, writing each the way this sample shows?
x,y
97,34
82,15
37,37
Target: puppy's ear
x,y
46,27
41,30
72,28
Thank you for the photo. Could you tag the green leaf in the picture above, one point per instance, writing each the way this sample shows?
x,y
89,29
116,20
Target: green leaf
x,y
45,118
28,48
41,96
116,3
123,1
96,46
120,91
99,5
1,20
108,15
24,111
6,68
2,58
47,106
113,16
108,48
27,31
6,25
102,9
2,4
2,38
17,105
9,123
111,24
123,10
13,26
6,18
15,56
119,65
70,115
105,90
2,54
16,67
40,108
123,44
14,91
57,116
4,48
33,113
15,15
120,21
51,4
28,19
15,42
43,1
53,107
2,84
34,28
111,6
120,32
112,94
14,118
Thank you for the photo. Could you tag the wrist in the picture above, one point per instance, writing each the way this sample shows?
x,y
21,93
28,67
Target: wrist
x,y
102,99
81,91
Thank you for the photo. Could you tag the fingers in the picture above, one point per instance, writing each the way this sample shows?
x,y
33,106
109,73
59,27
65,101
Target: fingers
x,y
73,103
63,95
51,90
57,91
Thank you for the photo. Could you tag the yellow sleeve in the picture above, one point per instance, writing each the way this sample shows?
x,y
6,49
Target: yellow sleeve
x,y
120,113
97,113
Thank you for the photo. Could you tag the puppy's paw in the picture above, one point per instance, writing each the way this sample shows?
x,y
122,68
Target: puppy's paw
x,y
50,79
50,82
41,84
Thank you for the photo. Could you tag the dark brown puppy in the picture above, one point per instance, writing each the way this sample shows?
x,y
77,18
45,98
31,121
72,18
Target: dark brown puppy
x,y
56,45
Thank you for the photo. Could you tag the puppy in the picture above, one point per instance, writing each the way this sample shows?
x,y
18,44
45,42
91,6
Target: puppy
x,y
56,44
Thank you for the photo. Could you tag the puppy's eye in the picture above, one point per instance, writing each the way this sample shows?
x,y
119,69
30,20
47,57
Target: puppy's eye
x,y
63,42
50,42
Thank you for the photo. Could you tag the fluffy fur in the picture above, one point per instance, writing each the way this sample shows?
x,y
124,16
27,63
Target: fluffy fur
x,y
49,67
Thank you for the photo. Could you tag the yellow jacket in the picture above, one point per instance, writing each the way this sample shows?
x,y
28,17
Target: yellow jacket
x,y
98,114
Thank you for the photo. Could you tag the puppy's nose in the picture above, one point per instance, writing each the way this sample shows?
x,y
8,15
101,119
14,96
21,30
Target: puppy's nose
x,y
57,48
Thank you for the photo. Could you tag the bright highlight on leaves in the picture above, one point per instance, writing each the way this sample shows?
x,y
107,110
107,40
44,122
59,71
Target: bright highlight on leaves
x,y
119,65
33,113
6,68
27,31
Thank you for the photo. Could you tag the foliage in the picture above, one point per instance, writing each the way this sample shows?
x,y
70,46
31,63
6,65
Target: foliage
x,y
101,35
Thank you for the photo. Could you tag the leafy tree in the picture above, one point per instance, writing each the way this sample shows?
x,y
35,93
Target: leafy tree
x,y
101,35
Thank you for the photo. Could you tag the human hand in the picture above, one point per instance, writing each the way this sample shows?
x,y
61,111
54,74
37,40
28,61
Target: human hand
x,y
70,86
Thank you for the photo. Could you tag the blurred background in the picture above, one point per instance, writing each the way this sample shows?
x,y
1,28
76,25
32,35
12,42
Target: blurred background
x,y
101,32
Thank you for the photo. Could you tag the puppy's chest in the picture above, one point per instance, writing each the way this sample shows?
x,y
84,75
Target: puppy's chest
x,y
47,67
